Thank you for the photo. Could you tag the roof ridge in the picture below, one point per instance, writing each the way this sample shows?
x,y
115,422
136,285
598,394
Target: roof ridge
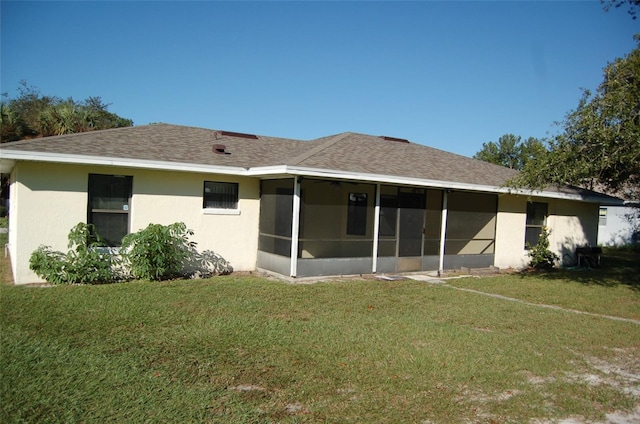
x,y
317,149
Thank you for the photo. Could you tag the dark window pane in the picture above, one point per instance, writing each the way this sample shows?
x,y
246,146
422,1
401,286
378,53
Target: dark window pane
x,y
108,208
536,213
220,195
536,219
111,226
532,235
357,214
109,191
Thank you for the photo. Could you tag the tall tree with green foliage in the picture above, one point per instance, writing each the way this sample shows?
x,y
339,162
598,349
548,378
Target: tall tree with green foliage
x,y
510,151
32,115
599,146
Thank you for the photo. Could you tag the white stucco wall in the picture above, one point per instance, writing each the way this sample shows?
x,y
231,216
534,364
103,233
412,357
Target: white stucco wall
x,y
618,226
47,200
571,223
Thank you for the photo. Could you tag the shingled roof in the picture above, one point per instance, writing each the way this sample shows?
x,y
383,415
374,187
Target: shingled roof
x,y
346,155
347,152
360,153
163,143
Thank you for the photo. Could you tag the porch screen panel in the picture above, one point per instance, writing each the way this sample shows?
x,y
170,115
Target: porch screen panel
x,y
336,219
411,203
471,223
433,223
388,221
276,208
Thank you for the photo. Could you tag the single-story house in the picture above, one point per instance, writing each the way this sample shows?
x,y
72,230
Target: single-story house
x,y
338,205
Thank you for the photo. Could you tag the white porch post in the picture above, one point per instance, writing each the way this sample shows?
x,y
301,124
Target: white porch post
x,y
295,227
376,227
443,232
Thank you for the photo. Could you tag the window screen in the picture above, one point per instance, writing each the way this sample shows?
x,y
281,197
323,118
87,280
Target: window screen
x,y
220,195
536,219
108,210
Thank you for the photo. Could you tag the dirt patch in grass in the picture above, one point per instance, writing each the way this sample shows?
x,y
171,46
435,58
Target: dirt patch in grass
x,y
620,371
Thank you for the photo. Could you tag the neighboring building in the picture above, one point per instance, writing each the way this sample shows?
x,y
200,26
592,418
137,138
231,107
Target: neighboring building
x,y
618,225
338,205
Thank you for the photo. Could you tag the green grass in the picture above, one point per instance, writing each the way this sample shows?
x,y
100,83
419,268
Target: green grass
x,y
611,289
249,350
5,267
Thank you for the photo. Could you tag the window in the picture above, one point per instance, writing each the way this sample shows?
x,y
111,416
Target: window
x,y
602,216
108,210
536,219
220,195
357,214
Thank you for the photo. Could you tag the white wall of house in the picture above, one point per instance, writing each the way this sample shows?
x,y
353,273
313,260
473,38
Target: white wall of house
x,y
510,231
47,200
572,224
618,225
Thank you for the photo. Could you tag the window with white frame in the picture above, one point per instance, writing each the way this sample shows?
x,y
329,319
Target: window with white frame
x,y
220,196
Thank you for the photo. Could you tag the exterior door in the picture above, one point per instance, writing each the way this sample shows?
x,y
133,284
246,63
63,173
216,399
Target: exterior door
x,y
410,232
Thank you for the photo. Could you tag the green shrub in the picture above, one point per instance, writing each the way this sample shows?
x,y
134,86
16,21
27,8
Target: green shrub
x,y
87,261
157,252
541,256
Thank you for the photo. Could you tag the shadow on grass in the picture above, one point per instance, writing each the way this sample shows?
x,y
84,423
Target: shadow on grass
x,y
618,267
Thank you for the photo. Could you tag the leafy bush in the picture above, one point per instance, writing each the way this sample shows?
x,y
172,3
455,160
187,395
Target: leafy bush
x,y
87,262
541,256
157,252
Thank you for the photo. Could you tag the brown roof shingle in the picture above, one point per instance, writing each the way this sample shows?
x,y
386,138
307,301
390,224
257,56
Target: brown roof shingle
x,y
348,152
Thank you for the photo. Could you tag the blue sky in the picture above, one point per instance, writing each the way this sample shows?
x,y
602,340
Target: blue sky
x,y
450,75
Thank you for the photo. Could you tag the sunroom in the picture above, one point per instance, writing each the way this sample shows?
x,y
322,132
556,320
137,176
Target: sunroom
x,y
321,227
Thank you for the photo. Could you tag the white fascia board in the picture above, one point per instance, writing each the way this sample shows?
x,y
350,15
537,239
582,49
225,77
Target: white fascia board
x,y
123,162
417,182
268,171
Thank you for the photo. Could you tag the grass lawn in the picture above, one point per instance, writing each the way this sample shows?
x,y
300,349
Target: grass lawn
x,y
611,289
250,350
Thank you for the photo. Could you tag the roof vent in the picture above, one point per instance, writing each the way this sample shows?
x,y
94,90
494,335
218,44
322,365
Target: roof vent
x,y
399,140
219,149
240,135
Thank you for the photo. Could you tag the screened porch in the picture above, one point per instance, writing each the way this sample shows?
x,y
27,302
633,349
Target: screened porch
x,y
337,227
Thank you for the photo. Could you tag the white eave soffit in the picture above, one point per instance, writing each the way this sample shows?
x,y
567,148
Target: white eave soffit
x,y
8,158
271,171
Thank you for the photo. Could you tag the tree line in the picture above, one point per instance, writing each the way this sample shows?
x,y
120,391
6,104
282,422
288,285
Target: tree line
x,y
598,146
33,115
